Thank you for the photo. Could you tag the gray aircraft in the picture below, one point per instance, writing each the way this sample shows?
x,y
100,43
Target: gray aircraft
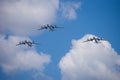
x,y
29,43
50,27
96,40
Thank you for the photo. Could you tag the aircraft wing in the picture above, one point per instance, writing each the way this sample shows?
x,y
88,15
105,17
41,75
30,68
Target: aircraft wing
x,y
86,40
58,27
35,43
19,44
42,27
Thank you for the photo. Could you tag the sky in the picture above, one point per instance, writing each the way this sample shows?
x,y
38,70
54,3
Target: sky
x,y
61,55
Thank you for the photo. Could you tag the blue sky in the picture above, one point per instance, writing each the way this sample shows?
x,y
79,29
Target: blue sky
x,y
97,17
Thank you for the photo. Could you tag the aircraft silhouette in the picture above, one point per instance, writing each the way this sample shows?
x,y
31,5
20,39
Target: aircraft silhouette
x,y
50,27
96,40
29,43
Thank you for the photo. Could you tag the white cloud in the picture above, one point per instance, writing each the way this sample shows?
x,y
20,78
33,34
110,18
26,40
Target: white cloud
x,y
69,9
20,58
23,17
90,61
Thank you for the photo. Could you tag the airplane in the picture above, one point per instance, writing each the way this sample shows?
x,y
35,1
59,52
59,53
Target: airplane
x,y
29,43
96,40
50,27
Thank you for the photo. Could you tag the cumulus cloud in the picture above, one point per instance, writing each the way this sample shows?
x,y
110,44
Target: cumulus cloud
x,y
69,9
23,17
20,58
90,61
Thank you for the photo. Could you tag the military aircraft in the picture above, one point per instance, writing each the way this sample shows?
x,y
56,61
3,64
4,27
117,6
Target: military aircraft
x,y
96,40
29,43
50,27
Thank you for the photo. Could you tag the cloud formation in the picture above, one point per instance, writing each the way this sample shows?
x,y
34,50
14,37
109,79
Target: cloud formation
x,y
90,61
20,58
24,17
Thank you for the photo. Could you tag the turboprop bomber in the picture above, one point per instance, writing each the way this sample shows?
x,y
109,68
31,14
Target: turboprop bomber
x,y
25,42
50,27
94,39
